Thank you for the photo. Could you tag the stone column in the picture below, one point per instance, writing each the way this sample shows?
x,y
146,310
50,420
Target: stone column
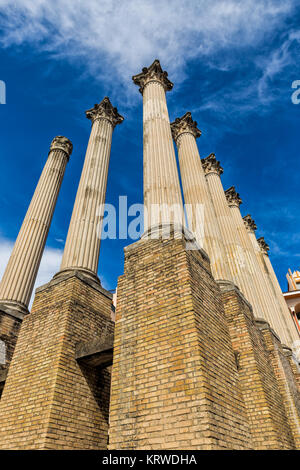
x,y
199,209
261,291
161,182
21,271
288,327
236,256
82,247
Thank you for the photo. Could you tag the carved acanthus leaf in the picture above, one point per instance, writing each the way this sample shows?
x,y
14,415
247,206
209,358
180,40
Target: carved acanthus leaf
x,y
211,165
264,247
154,73
185,124
249,223
105,110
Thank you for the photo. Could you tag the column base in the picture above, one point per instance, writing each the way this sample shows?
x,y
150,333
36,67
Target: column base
x,y
174,379
85,274
14,309
177,232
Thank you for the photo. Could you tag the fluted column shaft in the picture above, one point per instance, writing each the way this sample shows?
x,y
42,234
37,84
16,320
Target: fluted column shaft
x,y
83,240
161,182
286,327
235,254
261,291
21,271
195,190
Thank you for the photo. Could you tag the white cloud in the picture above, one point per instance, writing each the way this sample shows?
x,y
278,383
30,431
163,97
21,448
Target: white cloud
x,y
275,63
50,263
6,247
127,35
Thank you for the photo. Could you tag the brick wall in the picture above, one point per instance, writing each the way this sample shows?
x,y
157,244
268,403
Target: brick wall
x,y
9,330
174,380
49,402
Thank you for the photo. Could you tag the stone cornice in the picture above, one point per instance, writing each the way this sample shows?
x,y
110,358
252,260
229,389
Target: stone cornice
x,y
211,165
264,247
249,223
106,111
154,73
233,198
62,143
184,125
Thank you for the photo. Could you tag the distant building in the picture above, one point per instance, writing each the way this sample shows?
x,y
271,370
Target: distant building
x,y
292,296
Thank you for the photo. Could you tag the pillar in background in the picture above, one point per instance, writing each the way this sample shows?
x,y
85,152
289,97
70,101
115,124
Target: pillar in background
x,y
82,246
201,215
261,292
285,377
290,330
161,182
236,256
19,277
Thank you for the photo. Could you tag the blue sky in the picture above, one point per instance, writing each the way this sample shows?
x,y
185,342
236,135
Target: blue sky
x,y
232,64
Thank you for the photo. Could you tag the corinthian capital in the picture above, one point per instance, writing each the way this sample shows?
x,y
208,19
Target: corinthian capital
x,y
105,110
264,247
154,73
184,125
62,143
249,223
233,198
211,165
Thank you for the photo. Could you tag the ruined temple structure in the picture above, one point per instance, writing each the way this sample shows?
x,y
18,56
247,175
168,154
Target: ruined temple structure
x,y
202,351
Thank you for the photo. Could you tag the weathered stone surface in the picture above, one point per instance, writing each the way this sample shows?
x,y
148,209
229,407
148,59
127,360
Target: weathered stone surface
x,y
3,375
9,330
